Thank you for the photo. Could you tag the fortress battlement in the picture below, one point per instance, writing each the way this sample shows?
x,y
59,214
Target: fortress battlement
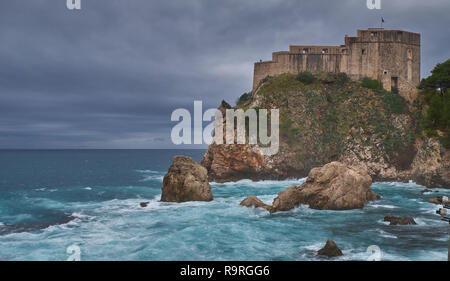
x,y
390,56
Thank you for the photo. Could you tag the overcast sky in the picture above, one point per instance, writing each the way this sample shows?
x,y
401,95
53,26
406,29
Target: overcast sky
x,y
110,75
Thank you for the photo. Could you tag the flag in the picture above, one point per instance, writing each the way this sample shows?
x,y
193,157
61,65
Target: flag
x,y
382,19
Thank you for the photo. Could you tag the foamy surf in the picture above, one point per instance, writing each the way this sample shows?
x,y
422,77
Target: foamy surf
x,y
108,219
260,184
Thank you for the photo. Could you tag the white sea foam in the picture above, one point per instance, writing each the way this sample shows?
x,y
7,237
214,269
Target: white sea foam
x,y
81,216
153,177
382,206
409,185
150,175
315,247
45,189
429,210
385,234
149,171
121,229
424,221
261,184
383,222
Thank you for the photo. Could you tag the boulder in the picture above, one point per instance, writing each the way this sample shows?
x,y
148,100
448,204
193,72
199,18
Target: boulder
x,y
143,204
426,190
399,221
186,181
435,200
330,250
253,201
286,199
439,200
334,186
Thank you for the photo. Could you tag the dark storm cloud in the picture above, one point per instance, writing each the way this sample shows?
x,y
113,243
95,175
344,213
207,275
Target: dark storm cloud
x,y
110,75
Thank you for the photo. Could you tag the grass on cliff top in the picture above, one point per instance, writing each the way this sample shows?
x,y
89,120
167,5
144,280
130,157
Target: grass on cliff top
x,y
284,84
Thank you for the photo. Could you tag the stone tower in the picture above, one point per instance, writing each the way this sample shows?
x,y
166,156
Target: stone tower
x,y
390,56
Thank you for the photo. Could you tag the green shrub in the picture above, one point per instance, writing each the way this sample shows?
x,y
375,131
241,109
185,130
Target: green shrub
x,y
342,77
445,141
395,104
306,77
244,98
430,132
372,84
266,79
286,128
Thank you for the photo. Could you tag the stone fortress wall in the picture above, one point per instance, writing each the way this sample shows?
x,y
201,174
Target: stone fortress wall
x,y
390,56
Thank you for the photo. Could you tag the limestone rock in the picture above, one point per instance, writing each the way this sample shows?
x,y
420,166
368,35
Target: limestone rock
x,y
435,200
399,221
232,162
286,199
143,204
330,250
354,139
431,165
253,201
334,186
186,181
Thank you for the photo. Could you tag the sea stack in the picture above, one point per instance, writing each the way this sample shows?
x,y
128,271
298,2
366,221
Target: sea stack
x,y
334,186
330,250
186,181
400,221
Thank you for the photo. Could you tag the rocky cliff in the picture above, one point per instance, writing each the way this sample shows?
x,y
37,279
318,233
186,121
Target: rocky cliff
x,y
327,117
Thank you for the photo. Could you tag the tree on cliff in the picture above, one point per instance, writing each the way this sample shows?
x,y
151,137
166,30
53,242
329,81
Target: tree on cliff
x,y
436,96
439,79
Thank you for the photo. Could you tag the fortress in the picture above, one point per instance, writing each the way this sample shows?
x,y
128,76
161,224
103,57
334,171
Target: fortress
x,y
390,56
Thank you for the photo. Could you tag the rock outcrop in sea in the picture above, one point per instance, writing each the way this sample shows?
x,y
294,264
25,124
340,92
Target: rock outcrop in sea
x,y
400,220
330,250
331,118
253,201
441,200
335,186
186,181
144,204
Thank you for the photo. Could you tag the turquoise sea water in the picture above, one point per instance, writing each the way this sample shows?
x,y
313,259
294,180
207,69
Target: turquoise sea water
x,y
50,200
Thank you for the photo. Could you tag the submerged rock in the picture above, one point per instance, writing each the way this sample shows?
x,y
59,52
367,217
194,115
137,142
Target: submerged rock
x,y
253,201
400,221
441,200
334,186
143,204
186,181
426,190
330,250
435,200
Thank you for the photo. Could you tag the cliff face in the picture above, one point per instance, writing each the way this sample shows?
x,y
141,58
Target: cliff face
x,y
330,118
